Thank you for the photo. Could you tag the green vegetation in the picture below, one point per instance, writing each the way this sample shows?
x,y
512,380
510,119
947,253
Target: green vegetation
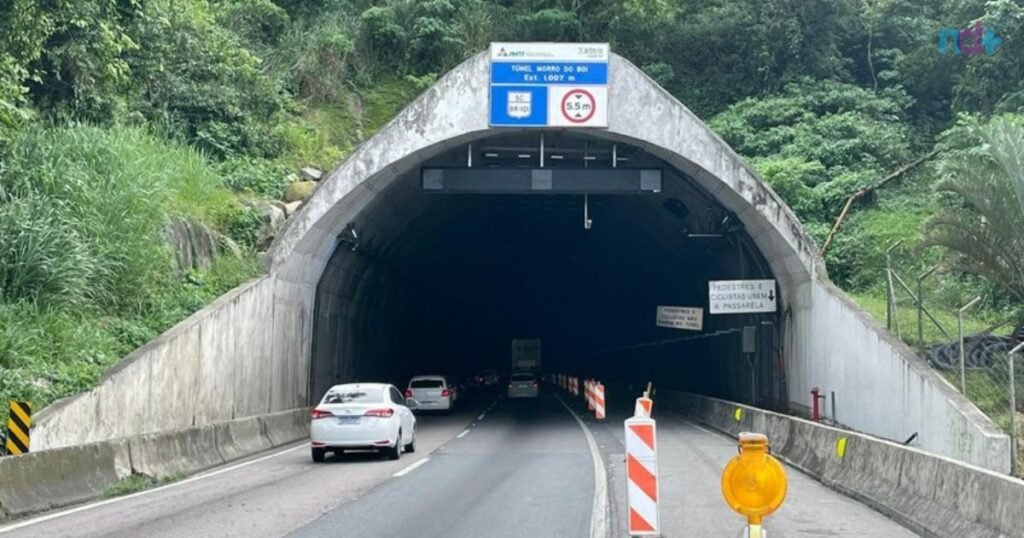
x,y
135,483
118,118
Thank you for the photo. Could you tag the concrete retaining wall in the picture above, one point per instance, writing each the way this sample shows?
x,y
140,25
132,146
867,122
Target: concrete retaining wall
x,y
932,495
880,384
243,355
59,477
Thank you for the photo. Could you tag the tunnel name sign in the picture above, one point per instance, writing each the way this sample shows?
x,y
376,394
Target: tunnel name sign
x,y
680,317
549,85
741,296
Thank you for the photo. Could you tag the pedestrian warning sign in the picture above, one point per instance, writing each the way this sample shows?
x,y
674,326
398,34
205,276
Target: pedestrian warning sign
x,y
741,296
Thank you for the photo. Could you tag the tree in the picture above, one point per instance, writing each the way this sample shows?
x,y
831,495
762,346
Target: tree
x,y
983,181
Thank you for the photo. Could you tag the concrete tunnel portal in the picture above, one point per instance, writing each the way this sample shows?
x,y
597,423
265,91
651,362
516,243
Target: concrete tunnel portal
x,y
465,237
488,241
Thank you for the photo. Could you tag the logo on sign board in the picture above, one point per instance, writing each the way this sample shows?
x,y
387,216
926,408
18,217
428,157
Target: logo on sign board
x,y
519,104
578,106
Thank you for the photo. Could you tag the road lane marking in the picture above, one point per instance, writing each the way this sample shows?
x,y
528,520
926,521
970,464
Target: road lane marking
x,y
702,428
41,519
410,468
481,417
463,434
599,512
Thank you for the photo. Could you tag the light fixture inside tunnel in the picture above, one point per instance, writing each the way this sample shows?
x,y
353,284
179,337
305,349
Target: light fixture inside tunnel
x,y
349,237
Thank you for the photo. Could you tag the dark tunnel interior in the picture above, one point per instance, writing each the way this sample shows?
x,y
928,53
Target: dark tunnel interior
x,y
439,278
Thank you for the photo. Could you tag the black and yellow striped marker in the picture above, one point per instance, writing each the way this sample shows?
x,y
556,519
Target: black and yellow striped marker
x,y
18,426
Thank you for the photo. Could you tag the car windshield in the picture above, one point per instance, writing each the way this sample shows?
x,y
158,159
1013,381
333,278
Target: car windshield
x,y
426,383
354,396
522,377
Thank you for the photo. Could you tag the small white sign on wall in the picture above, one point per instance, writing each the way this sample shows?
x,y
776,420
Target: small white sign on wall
x,y
680,317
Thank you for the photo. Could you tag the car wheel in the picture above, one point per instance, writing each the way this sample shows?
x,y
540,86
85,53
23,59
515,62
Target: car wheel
x,y
395,452
411,447
318,454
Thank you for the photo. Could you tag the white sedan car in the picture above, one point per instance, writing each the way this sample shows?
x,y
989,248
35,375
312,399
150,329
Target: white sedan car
x,y
363,416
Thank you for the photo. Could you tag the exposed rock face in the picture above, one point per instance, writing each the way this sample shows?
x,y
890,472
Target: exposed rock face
x,y
299,191
271,219
311,174
194,244
290,209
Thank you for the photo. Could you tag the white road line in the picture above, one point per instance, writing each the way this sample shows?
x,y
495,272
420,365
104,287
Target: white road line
x,y
463,434
599,513
482,415
702,428
410,468
49,517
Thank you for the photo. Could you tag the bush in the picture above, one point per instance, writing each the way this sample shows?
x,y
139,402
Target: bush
x,y
255,176
201,81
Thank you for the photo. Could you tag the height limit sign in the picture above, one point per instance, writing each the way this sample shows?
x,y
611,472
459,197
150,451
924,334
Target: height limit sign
x,y
578,107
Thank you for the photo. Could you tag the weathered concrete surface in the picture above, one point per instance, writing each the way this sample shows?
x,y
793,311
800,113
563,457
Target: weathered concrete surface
x,y
932,495
40,481
217,365
250,352
60,477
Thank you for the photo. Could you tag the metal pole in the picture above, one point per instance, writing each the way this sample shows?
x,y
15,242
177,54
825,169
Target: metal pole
x,y
542,150
833,395
920,306
1013,411
960,333
890,296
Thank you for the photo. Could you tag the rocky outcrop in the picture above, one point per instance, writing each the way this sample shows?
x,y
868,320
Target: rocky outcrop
x,y
196,245
299,191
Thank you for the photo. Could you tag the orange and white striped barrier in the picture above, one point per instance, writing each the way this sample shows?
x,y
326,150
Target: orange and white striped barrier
x,y
598,399
642,475
588,393
575,386
643,406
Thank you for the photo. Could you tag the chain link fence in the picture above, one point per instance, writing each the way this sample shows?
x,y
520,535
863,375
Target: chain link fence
x,y
980,368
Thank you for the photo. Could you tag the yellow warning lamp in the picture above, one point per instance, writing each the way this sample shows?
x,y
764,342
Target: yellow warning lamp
x,y
754,482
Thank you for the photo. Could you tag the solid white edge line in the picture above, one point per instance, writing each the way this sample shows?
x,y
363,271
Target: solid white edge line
x,y
48,517
463,434
599,513
410,468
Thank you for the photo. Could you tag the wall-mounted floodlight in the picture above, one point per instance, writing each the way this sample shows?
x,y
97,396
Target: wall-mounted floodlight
x,y
349,237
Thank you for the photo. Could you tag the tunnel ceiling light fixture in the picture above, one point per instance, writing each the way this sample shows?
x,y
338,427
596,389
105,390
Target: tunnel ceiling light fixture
x,y
491,155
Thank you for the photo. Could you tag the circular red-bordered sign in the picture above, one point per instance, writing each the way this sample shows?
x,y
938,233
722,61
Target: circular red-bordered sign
x,y
579,94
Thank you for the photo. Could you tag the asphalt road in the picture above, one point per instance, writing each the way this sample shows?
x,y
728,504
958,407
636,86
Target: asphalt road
x,y
504,468
523,471
266,496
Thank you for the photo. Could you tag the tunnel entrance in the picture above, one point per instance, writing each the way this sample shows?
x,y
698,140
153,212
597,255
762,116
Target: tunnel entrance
x,y
558,235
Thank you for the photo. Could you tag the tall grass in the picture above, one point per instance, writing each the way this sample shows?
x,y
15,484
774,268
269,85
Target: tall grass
x,y
84,209
85,271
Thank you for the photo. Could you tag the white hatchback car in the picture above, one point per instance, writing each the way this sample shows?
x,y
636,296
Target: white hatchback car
x,y
431,392
523,385
361,416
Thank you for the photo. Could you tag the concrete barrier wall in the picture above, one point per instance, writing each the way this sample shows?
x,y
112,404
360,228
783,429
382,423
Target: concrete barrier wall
x,y
241,356
932,495
40,481
881,386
